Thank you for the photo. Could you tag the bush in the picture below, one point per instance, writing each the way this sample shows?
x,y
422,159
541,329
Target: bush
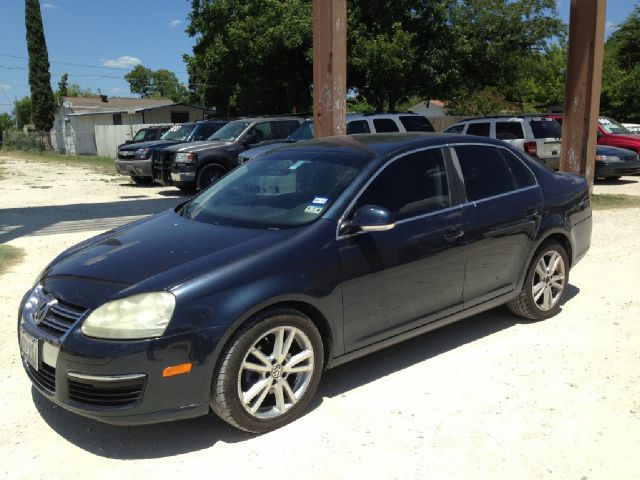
x,y
18,140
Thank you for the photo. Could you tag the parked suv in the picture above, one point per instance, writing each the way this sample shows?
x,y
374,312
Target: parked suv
x,y
134,159
612,133
356,123
148,134
201,163
536,135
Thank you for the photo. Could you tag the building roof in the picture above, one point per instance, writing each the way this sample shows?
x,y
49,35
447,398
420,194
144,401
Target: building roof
x,y
100,104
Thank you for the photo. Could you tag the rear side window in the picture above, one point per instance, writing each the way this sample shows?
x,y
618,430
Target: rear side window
x,y
521,173
416,123
509,131
410,186
283,129
479,129
485,171
384,125
358,126
545,128
455,129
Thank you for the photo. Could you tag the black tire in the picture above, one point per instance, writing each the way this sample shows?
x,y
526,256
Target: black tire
x,y
187,188
614,177
226,385
209,174
525,305
142,180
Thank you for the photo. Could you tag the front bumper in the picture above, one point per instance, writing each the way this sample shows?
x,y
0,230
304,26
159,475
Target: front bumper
x,y
617,169
134,168
121,382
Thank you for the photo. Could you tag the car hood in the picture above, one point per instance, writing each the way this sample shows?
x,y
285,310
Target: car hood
x,y
157,253
150,144
627,139
254,152
606,150
196,147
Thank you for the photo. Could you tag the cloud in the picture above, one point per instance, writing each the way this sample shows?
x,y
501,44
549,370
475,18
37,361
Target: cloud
x,y
50,6
174,23
124,61
4,86
117,90
611,26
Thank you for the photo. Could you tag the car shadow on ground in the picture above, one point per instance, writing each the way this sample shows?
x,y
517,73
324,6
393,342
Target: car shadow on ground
x,y
54,219
611,181
168,439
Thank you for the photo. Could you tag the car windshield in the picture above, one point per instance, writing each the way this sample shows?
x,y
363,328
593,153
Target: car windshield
x,y
139,136
303,132
231,131
279,190
611,126
178,132
545,128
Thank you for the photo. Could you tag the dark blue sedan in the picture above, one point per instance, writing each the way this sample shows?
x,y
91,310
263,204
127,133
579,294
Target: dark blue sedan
x,y
298,261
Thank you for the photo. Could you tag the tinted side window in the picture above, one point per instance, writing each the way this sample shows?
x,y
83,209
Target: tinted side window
x,y
416,123
509,130
485,171
455,129
205,131
522,174
410,186
383,125
283,128
358,126
479,129
262,131
546,128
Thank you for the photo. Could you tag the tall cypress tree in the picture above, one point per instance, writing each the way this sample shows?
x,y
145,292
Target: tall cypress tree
x,y
42,103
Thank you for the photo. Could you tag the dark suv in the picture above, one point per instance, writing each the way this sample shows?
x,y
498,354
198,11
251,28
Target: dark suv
x,y
147,134
134,159
201,163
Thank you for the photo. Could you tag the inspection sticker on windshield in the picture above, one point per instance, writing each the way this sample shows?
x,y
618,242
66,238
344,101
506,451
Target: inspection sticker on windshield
x,y
313,209
320,200
299,163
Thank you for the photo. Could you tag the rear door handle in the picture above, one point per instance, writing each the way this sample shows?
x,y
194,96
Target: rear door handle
x,y
453,234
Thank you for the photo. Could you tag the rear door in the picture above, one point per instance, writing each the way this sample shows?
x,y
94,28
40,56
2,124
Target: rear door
x,y
501,219
391,280
548,136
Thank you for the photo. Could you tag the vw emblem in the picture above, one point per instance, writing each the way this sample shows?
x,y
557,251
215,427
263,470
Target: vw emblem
x,y
42,308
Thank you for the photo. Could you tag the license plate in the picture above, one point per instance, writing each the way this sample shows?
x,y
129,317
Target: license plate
x,y
30,347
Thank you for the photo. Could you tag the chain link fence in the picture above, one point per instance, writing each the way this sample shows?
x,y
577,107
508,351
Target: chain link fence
x,y
19,140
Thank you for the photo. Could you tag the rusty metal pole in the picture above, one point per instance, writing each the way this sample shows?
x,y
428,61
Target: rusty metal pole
x,y
582,90
329,67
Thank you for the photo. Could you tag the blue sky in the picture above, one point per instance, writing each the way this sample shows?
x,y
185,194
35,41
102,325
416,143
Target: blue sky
x,y
118,34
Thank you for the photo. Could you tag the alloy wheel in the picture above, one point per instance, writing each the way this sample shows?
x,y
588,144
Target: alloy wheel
x,y
548,280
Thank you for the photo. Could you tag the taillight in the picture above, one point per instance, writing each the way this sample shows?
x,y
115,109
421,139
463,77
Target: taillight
x,y
531,148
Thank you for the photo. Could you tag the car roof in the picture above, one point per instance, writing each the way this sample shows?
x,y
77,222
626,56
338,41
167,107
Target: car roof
x,y
383,145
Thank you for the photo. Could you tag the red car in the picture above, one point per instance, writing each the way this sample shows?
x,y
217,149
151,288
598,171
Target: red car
x,y
612,133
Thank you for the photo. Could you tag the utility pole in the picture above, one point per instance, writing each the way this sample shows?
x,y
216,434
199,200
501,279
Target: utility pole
x,y
329,67
583,87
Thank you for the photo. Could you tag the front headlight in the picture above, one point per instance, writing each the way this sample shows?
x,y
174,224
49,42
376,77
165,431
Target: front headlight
x,y
186,157
142,153
139,316
608,158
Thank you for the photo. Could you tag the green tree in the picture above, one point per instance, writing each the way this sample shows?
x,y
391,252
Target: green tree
x,y
6,123
43,105
75,90
165,84
140,81
22,111
63,86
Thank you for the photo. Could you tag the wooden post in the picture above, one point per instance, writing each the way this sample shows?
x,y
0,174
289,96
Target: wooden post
x,y
329,67
582,90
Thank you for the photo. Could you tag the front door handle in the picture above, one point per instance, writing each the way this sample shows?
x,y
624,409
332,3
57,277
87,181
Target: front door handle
x,y
453,234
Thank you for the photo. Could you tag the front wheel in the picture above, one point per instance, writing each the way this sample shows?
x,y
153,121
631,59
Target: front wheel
x,y
209,174
142,180
269,372
544,285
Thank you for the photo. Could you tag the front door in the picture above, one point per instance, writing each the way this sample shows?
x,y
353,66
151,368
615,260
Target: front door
x,y
393,279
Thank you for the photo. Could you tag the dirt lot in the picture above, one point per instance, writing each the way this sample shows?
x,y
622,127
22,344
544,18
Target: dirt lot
x,y
490,397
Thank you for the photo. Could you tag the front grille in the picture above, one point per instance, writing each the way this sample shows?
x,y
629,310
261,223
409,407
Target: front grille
x,y
105,393
629,158
161,166
127,155
44,377
60,318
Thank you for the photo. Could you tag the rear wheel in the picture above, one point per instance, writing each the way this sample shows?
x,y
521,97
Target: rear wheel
x,y
544,285
269,372
142,180
209,174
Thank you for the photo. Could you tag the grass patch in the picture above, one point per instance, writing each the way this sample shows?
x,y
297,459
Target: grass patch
x,y
613,201
9,256
103,165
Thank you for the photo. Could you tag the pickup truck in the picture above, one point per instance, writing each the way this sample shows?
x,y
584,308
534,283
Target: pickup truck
x,y
199,164
134,159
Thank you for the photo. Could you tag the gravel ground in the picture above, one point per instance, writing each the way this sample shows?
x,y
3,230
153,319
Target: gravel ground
x,y
489,397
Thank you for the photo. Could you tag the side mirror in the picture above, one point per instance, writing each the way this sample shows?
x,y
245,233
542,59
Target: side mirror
x,y
371,218
250,139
